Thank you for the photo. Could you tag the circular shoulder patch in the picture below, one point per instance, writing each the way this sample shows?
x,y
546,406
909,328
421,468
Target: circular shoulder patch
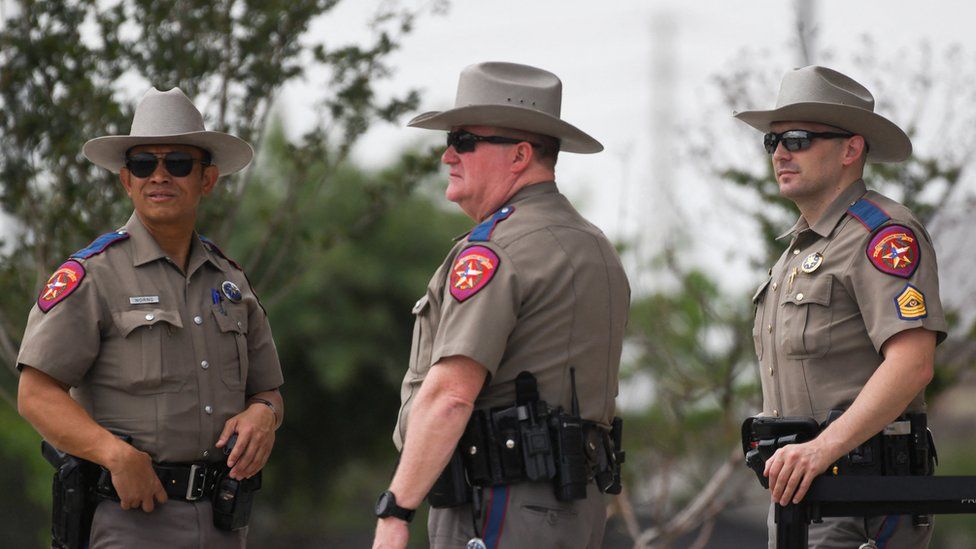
x,y
64,281
894,250
473,270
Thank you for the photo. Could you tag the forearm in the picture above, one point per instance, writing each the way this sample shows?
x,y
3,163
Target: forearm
x,y
46,405
437,420
906,370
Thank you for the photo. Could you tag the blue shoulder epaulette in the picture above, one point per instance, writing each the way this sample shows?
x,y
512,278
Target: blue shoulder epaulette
x,y
100,244
483,231
216,249
869,214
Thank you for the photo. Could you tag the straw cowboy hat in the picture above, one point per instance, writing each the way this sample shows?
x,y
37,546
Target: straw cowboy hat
x,y
163,118
819,94
509,95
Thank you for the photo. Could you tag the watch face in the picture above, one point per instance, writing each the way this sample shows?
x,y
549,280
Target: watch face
x,y
384,503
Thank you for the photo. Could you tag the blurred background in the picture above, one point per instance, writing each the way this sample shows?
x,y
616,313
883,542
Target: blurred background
x,y
340,221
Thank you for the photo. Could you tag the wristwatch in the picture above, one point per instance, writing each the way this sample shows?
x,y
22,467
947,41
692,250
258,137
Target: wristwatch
x,y
386,507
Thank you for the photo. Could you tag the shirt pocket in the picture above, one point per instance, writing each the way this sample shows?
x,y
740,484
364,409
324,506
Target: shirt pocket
x,y
422,334
807,318
759,302
145,334
231,348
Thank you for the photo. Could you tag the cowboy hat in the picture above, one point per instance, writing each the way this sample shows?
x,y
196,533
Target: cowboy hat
x,y
509,95
169,118
819,94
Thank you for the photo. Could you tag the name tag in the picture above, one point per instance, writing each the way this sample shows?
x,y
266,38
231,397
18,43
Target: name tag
x,y
143,299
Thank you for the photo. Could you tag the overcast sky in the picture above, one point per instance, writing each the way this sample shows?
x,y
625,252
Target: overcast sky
x,y
613,58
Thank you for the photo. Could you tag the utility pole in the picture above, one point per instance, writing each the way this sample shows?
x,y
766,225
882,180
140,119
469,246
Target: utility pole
x,y
806,31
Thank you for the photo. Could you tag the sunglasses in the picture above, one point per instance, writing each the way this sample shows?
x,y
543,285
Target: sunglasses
x,y
464,142
178,163
798,140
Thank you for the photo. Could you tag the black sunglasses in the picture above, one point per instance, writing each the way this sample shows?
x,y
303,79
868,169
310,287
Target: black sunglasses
x,y
464,142
178,163
797,140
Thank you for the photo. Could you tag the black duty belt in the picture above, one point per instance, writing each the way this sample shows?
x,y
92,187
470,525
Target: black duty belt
x,y
182,481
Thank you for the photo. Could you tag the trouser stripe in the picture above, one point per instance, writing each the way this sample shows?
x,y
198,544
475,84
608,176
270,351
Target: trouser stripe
x,y
495,516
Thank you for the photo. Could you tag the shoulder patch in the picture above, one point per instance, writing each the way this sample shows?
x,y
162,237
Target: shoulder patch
x,y
215,249
911,303
894,250
62,283
473,270
100,244
868,213
483,231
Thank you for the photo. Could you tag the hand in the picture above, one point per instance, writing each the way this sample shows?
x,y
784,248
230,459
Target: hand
x,y
792,468
255,428
135,480
391,533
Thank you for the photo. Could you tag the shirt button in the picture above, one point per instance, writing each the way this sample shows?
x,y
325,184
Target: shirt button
x,y
799,296
208,408
150,316
775,413
769,328
206,453
772,371
796,252
204,364
775,286
198,320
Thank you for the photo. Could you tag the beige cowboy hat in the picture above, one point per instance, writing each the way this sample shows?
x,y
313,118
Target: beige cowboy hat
x,y
509,95
169,117
819,94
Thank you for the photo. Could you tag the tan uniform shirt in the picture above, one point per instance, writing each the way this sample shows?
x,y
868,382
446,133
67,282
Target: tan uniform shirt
x,y
148,353
558,298
818,334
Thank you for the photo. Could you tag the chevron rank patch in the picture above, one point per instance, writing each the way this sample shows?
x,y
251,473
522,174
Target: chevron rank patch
x,y
894,250
473,270
911,303
64,281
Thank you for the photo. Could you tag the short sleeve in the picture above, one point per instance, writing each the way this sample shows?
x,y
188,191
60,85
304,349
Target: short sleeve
x,y
64,341
264,368
896,283
480,305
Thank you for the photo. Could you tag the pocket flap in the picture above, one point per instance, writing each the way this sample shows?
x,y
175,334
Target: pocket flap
x,y
420,305
233,321
126,321
814,290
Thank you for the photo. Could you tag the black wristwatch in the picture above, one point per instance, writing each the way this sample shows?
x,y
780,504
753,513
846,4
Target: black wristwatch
x,y
386,506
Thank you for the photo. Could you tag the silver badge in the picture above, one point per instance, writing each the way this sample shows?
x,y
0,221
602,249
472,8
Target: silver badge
x,y
476,543
812,262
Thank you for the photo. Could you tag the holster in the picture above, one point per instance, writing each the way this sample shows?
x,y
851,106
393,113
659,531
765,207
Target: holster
x,y
762,436
232,501
73,498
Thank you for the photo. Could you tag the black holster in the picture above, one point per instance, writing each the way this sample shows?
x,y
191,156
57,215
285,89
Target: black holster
x,y
73,498
232,501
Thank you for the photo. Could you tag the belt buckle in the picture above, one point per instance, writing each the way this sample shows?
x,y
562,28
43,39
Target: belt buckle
x,y
195,485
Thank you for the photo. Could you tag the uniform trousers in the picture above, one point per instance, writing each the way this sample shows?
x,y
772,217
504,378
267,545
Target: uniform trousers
x,y
524,515
171,525
887,532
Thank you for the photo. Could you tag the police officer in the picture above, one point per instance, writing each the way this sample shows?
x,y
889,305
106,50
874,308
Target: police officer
x,y
151,332
850,314
534,287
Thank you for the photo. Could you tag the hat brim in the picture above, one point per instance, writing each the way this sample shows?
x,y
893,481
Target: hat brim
x,y
571,138
887,142
230,154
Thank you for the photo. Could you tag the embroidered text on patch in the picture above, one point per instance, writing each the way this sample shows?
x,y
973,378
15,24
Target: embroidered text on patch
x,y
64,281
472,271
894,250
911,303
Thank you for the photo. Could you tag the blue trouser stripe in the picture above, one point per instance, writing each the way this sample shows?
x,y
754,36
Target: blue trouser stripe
x,y
496,516
888,528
